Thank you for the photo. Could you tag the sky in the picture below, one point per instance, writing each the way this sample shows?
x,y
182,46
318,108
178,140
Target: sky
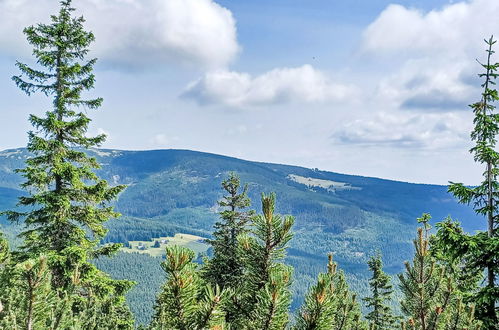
x,y
373,88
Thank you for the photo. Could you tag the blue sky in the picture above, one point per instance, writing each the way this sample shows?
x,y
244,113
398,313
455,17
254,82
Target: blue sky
x,y
373,88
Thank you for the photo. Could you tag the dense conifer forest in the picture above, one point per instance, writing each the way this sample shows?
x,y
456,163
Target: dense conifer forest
x,y
65,264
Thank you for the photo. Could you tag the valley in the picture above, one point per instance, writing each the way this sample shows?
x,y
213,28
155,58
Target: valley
x,y
173,193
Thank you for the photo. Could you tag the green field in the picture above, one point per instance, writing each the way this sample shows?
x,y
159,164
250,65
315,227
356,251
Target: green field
x,y
156,246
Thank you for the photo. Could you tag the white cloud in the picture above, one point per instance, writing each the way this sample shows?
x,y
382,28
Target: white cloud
x,y
431,85
281,85
162,140
136,32
431,55
456,28
403,130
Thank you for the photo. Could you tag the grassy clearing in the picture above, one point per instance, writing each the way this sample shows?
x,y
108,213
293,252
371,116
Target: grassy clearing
x,y
156,246
326,184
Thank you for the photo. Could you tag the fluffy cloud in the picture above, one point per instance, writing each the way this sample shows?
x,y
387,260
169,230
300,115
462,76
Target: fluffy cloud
x,y
431,85
136,32
431,55
456,28
402,130
281,85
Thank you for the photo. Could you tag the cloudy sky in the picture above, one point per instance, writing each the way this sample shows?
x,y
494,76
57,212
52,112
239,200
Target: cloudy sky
x,y
371,87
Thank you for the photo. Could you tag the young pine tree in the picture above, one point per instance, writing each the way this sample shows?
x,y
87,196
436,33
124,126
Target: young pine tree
x,y
480,252
329,305
27,299
263,298
380,315
225,268
186,302
431,300
66,205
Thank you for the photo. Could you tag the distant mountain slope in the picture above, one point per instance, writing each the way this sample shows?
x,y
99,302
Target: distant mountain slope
x,y
171,191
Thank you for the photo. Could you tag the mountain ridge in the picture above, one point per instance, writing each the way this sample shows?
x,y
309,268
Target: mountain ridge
x,y
176,191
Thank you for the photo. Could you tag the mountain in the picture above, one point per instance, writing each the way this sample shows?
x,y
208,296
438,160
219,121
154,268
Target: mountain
x,y
176,191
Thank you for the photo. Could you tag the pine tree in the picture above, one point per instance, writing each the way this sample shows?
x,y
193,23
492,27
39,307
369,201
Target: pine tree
x,y
263,298
26,294
329,305
430,296
380,316
225,268
480,252
67,204
272,301
186,302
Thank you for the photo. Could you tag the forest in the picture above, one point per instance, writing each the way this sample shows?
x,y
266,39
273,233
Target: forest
x,y
53,271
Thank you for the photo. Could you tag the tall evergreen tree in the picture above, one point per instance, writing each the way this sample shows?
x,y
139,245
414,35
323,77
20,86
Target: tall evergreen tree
x,y
67,204
480,252
225,268
430,298
64,214
380,315
329,305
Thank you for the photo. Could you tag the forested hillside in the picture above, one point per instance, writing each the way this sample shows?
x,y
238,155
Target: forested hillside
x,y
176,191
97,239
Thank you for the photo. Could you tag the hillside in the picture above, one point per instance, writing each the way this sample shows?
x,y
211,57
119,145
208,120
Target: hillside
x,y
176,191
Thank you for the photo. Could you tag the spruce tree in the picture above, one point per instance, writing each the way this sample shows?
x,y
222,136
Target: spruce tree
x,y
66,204
225,268
430,296
380,315
480,252
186,302
64,214
329,304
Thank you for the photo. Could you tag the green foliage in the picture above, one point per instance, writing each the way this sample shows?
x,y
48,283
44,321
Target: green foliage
x,y
50,276
30,302
186,302
225,268
67,205
451,241
431,300
263,295
64,213
271,310
480,252
176,191
380,315
143,269
329,304
27,299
